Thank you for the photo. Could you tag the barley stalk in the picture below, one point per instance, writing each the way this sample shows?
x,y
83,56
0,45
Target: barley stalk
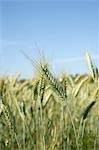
x,y
61,92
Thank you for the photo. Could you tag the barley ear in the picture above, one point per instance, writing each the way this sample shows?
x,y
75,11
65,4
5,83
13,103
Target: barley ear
x,y
87,109
90,65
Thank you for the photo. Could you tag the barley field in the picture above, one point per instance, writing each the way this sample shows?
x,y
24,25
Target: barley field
x,y
49,113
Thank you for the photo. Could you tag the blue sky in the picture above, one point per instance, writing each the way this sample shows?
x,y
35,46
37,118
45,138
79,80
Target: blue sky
x,y
63,29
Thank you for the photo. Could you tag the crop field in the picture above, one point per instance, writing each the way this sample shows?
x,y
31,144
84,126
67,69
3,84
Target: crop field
x,y
49,113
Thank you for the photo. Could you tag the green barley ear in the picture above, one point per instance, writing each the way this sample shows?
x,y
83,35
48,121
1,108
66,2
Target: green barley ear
x,y
15,80
77,88
1,88
97,73
41,87
1,107
54,82
87,109
8,117
90,65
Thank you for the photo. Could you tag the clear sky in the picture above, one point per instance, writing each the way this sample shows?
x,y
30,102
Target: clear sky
x,y
63,29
